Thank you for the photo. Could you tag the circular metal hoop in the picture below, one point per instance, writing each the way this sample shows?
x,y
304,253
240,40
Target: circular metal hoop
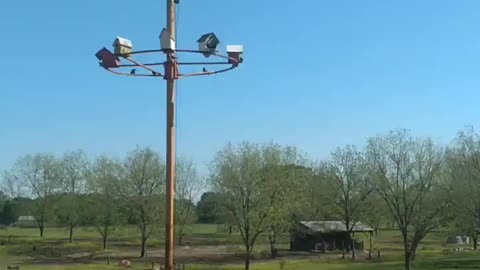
x,y
154,73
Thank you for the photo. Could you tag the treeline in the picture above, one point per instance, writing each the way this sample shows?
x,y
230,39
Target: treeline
x,y
264,189
414,183
73,191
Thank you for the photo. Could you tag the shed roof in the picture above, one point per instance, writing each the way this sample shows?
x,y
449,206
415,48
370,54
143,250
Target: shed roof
x,y
334,226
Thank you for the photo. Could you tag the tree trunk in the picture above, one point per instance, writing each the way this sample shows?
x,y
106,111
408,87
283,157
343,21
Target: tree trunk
x,y
71,233
407,259
413,255
247,258
352,241
475,240
104,239
413,251
180,236
370,249
42,228
143,252
273,241
406,249
247,262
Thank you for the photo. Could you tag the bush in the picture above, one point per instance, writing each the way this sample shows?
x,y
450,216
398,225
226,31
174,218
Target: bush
x,y
264,254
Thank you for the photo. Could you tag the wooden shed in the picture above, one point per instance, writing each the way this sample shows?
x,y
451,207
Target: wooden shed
x,y
322,236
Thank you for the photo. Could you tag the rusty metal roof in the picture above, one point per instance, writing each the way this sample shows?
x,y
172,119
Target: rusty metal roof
x,y
334,226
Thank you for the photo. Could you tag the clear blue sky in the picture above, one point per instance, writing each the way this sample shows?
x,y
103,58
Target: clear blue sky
x,y
318,74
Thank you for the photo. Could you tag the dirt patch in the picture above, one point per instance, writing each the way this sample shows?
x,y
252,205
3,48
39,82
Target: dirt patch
x,y
225,254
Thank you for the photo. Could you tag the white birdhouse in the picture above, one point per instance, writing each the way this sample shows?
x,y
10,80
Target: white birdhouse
x,y
166,41
123,46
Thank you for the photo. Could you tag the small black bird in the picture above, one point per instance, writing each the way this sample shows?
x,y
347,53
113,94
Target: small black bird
x,y
205,70
132,72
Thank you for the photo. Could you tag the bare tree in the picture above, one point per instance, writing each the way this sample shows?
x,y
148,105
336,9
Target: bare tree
x,y
349,188
142,188
12,185
406,173
463,167
74,169
102,182
188,188
36,176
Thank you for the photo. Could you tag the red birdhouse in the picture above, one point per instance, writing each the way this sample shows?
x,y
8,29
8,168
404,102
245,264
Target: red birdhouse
x,y
107,59
235,53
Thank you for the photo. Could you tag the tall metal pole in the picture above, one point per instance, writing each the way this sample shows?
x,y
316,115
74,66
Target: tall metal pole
x,y
169,229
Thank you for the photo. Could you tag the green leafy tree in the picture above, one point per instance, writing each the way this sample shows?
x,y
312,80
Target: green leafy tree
x,y
246,177
208,208
8,215
236,175
282,174
104,202
315,190
141,188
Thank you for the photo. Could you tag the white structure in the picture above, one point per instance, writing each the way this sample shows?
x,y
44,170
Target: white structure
x,y
26,222
458,240
123,46
166,41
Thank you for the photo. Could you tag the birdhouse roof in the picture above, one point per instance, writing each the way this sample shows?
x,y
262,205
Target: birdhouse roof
x,y
165,33
100,53
208,36
123,42
235,48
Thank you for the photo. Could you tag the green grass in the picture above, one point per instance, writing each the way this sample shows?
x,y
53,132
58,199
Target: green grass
x,y
436,262
26,244
447,262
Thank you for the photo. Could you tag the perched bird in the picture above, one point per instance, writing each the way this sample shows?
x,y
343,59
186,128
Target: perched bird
x,y
205,70
132,72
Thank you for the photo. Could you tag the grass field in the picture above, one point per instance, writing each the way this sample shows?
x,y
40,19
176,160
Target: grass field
x,y
208,247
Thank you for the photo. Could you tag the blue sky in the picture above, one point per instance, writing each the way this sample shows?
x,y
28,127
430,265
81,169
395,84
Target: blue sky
x,y
317,74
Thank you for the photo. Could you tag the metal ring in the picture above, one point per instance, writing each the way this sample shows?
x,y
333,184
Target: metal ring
x,y
147,66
